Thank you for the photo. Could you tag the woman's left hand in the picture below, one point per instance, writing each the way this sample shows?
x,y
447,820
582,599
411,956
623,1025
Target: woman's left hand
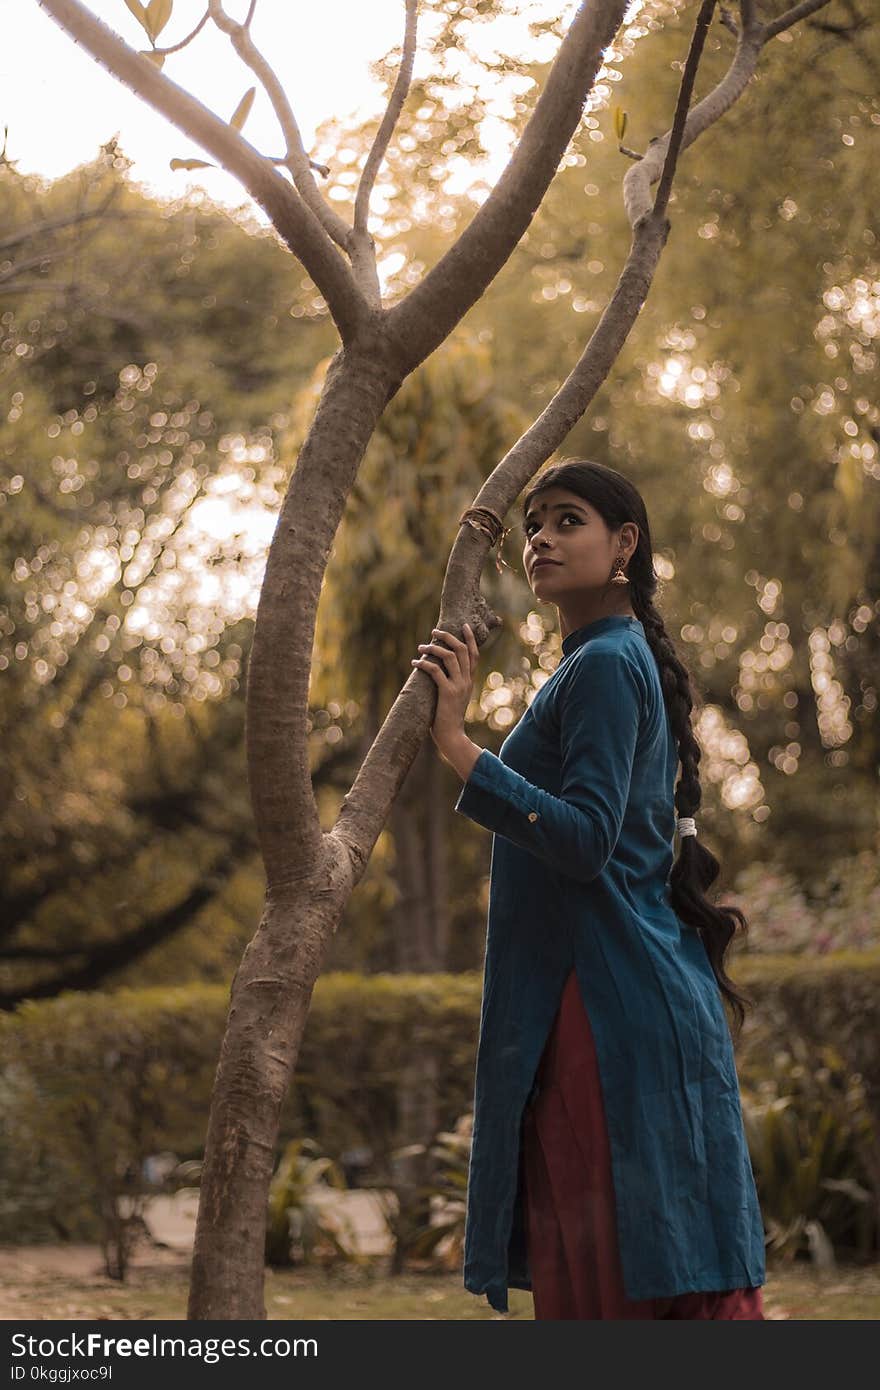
x,y
453,675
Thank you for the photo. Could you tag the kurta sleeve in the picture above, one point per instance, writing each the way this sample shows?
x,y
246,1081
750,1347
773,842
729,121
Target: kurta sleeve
x,y
599,702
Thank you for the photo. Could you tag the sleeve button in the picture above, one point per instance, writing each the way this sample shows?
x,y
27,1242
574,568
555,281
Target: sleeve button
x,y
533,815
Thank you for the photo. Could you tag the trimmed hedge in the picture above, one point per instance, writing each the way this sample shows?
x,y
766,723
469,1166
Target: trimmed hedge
x,y
91,1084
826,999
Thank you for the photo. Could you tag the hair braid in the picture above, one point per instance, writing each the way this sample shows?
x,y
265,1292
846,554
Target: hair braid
x,y
696,868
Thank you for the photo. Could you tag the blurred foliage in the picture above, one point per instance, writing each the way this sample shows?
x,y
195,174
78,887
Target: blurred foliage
x,y
841,914
443,1240
810,1137
93,1084
298,1232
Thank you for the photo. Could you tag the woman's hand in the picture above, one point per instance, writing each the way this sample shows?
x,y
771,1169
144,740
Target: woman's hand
x,y
453,674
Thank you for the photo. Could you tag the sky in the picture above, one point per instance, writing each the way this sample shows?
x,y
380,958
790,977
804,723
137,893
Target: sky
x,y
60,105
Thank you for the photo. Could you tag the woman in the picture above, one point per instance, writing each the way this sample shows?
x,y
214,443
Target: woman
x,y
609,1169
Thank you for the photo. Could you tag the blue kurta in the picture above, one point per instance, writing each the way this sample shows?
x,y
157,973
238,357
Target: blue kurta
x,y
581,803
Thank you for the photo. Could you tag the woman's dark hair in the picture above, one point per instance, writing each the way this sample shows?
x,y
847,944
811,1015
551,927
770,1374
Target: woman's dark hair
x,y
696,869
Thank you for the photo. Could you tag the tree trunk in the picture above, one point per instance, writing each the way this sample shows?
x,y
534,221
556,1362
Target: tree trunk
x,y
412,916
271,994
437,858
309,875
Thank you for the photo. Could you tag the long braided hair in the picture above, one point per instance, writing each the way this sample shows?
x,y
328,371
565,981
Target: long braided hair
x,y
617,501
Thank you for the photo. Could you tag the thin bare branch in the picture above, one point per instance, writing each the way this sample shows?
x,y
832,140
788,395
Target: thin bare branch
x,y
685,92
785,21
389,120
296,159
176,47
294,221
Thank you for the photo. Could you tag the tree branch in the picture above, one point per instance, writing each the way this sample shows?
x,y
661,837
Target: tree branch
x,y
751,39
785,21
389,120
728,21
294,221
685,92
35,229
193,33
362,247
104,959
429,312
296,159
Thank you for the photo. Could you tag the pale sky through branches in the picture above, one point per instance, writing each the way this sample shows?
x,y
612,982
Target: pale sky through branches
x,y
60,105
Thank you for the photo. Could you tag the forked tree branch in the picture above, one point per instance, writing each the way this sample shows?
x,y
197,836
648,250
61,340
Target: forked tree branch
x,y
751,37
294,221
431,310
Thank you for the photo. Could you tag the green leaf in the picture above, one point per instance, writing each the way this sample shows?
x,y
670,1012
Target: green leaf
x,y
190,164
154,57
242,110
158,13
619,122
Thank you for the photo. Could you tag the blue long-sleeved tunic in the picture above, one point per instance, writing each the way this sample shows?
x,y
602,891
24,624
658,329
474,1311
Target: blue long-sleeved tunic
x,y
580,801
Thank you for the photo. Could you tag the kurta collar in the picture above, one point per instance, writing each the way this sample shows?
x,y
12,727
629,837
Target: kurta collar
x,y
583,634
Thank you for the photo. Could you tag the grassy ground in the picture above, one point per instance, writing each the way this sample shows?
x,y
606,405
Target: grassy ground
x,y
31,1287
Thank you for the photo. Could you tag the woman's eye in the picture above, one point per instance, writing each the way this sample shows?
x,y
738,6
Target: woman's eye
x,y
530,526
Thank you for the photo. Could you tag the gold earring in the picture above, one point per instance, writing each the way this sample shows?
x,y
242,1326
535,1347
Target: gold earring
x,y
619,576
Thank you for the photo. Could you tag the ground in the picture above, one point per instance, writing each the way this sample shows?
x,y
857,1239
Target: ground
x,y
67,1282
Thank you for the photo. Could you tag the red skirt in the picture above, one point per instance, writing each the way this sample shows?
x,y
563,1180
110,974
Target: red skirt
x,y
571,1229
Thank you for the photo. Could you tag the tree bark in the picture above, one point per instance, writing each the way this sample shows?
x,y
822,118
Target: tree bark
x,y
412,916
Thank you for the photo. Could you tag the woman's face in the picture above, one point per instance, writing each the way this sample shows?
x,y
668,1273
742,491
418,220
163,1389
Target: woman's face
x,y
562,528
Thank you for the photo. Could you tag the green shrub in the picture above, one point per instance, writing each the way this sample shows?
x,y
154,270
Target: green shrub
x,y
93,1084
296,1229
809,1134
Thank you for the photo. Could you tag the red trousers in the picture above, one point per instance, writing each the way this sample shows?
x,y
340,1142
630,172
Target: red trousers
x,y
571,1227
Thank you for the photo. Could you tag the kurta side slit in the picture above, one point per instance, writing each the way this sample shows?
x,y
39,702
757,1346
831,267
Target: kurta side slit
x,y
569,1199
